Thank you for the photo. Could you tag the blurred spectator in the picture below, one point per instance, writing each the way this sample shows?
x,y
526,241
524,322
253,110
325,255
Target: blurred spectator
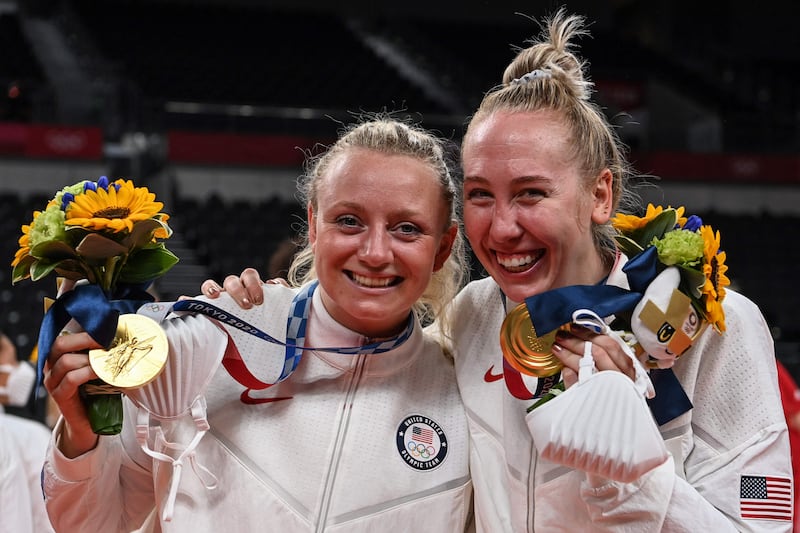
x,y
22,447
14,495
16,377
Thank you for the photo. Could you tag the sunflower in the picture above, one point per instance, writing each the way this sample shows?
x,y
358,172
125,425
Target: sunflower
x,y
115,208
628,223
714,268
25,242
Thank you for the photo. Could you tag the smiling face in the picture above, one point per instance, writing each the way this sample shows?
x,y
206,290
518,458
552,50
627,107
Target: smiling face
x,y
378,234
527,210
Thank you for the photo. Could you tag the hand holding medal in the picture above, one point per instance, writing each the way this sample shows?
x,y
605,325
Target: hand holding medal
x,y
106,233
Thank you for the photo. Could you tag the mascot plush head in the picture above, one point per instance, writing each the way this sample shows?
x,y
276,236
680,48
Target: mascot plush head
x,y
664,321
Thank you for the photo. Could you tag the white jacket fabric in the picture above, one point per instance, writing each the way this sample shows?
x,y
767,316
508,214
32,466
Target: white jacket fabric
x,y
735,429
347,443
29,438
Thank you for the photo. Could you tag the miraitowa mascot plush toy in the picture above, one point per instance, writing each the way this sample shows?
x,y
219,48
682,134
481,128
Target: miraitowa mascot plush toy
x,y
685,294
664,322
603,425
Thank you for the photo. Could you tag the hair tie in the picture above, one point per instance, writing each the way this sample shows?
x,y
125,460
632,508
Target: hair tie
x,y
532,75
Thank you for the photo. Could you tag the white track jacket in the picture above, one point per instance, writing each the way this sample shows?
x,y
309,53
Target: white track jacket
x,y
734,435
348,443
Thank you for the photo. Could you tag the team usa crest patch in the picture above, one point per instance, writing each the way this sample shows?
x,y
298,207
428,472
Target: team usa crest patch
x,y
421,442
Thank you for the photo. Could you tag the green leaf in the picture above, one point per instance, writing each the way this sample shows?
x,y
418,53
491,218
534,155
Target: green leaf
x,y
104,412
557,389
42,268
692,282
95,246
147,264
655,228
22,270
628,246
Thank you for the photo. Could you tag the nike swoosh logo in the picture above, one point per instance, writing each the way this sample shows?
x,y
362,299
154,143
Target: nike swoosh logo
x,y
249,400
489,377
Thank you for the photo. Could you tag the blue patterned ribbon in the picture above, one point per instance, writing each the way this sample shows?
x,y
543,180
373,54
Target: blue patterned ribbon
x,y
296,325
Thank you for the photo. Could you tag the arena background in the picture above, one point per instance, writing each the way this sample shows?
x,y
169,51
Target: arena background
x,y
213,104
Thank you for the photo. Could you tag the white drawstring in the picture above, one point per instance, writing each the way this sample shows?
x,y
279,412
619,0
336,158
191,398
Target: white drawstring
x,y
206,477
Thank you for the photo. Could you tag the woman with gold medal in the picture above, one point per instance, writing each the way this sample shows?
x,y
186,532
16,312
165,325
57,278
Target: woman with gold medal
x,y
327,409
544,174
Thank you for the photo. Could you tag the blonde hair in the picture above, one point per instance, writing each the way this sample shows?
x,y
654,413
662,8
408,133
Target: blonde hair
x,y
549,75
390,136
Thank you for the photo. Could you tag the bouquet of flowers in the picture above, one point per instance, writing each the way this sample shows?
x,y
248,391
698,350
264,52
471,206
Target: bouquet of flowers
x,y
109,234
687,244
685,282
677,275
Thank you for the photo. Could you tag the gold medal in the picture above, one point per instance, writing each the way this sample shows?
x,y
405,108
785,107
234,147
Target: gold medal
x,y
524,350
137,355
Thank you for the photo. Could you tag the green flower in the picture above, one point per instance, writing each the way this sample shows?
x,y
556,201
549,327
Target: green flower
x,y
679,247
74,190
48,227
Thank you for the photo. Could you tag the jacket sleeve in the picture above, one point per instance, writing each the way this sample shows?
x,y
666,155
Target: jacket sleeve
x,y
734,438
101,490
15,505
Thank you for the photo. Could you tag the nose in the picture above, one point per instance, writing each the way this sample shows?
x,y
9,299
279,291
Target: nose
x,y
376,249
504,224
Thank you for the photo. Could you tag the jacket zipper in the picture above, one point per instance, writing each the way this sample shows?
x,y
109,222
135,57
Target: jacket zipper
x,y
531,479
341,433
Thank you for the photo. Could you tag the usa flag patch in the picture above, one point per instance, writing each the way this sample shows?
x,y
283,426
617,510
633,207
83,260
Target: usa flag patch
x,y
765,498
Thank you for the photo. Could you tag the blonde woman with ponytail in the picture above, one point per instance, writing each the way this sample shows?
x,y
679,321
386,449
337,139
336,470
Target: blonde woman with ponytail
x,y
543,174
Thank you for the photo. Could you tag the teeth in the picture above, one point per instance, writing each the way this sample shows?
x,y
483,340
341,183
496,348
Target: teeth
x,y
371,282
515,262
518,262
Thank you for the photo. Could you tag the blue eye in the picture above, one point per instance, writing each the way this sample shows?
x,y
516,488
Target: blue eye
x,y
347,220
408,229
478,194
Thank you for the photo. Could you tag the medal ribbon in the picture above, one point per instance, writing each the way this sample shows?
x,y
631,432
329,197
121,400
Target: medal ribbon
x,y
550,310
296,325
91,308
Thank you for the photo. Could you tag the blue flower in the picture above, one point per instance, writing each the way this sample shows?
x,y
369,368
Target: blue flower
x,y
66,199
693,223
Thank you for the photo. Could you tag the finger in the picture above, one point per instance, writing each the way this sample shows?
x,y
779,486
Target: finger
x,y
251,280
71,342
569,376
246,289
235,288
63,381
277,281
613,358
607,353
569,349
210,288
64,375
